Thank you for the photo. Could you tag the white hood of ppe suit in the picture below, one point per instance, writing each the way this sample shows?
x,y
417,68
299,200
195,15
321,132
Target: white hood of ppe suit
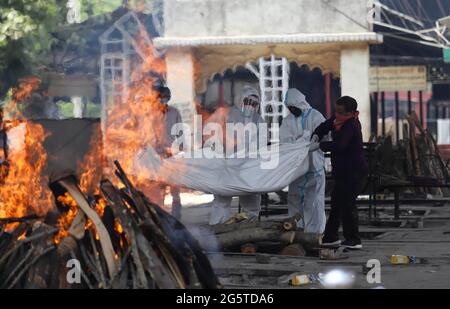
x,y
234,115
296,99
247,92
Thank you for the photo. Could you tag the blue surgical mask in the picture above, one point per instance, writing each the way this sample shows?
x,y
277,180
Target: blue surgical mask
x,y
248,111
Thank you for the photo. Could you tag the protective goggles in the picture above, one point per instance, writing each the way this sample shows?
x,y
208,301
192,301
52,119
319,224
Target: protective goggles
x,y
251,102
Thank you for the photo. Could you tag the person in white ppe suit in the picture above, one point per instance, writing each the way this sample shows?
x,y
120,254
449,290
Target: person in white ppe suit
x,y
307,194
245,112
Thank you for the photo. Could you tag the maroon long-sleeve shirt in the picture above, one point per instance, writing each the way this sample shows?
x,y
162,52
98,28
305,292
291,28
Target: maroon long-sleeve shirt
x,y
347,152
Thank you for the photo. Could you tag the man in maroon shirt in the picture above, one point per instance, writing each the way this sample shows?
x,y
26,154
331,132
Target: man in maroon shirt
x,y
350,170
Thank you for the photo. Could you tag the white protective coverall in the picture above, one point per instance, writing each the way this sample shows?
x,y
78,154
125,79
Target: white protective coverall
x,y
221,206
306,194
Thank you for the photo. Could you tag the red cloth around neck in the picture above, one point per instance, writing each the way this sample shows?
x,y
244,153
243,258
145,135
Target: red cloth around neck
x,y
340,119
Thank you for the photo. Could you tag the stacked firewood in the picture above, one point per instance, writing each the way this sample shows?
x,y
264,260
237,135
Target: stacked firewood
x,y
233,236
416,159
132,244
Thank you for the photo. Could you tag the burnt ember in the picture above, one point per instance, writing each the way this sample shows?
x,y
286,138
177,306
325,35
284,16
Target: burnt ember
x,y
116,239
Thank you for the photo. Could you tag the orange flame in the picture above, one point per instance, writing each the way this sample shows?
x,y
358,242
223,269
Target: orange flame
x,y
66,219
139,122
91,169
24,190
22,237
118,227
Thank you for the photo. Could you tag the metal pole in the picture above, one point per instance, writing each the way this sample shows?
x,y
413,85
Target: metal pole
x,y
397,117
221,93
383,114
409,103
328,94
421,106
397,204
374,112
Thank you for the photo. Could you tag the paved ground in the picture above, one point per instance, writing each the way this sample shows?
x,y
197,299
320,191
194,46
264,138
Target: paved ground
x,y
431,244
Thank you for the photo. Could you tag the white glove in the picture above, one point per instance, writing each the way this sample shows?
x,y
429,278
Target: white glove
x,y
315,139
314,147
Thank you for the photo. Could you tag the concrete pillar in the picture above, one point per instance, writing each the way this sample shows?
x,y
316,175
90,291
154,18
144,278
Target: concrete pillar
x,y
355,64
180,80
78,107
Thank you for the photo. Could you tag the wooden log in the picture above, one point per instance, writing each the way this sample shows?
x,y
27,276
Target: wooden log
x,y
160,275
41,273
259,234
139,203
76,232
414,152
293,250
201,262
88,261
167,249
249,249
434,161
26,253
17,268
23,219
105,240
407,148
227,228
97,261
289,224
36,258
121,213
13,243
138,243
117,281
154,231
83,273
182,253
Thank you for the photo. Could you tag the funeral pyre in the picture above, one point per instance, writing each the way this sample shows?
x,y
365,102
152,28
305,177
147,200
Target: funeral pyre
x,y
117,239
100,230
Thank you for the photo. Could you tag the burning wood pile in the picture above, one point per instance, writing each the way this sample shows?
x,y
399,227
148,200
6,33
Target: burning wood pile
x,y
115,239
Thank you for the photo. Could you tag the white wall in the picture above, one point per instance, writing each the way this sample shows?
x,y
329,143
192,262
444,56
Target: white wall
x,y
180,79
194,18
443,131
355,82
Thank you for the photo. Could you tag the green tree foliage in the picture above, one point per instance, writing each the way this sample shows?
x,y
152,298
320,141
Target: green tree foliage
x,y
25,36
26,28
98,7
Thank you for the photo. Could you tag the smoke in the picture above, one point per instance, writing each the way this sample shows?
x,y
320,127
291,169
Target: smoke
x,y
208,241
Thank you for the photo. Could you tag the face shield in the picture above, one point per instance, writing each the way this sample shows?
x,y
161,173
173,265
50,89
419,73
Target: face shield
x,y
250,106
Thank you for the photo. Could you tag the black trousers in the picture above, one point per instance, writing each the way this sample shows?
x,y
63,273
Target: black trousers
x,y
343,207
176,201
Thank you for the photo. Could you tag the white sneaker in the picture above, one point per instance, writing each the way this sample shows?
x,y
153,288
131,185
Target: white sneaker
x,y
352,245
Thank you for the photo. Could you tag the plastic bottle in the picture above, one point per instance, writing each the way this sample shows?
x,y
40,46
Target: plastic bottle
x,y
403,260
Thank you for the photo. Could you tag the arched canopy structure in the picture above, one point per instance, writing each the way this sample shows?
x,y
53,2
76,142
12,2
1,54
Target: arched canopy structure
x,y
206,37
